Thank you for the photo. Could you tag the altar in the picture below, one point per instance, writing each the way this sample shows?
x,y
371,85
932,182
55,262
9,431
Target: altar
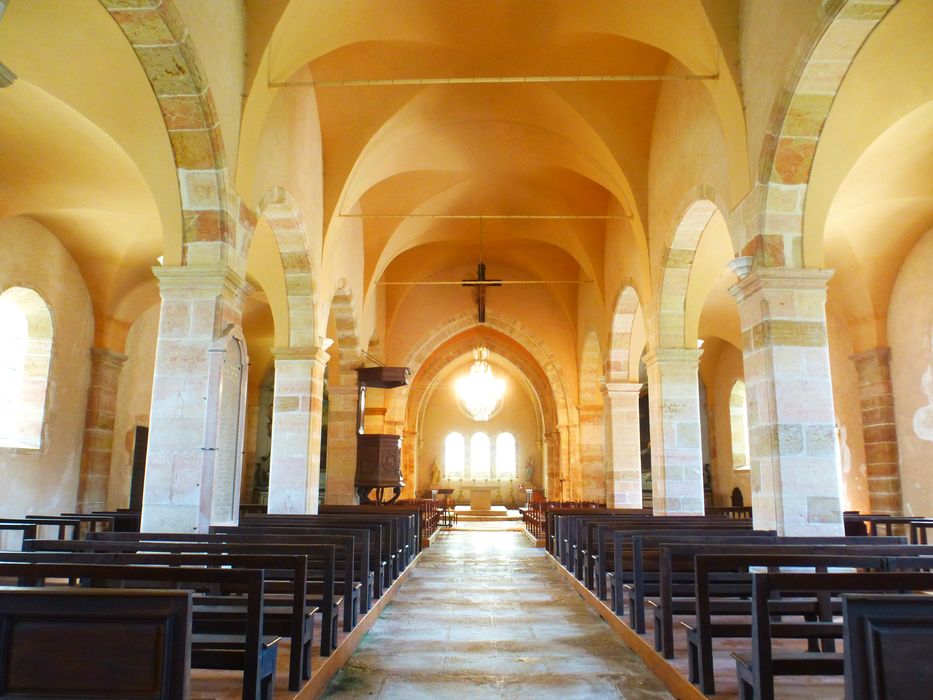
x,y
481,497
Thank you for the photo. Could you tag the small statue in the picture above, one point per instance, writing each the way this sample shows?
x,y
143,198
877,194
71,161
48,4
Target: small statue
x,y
435,473
530,470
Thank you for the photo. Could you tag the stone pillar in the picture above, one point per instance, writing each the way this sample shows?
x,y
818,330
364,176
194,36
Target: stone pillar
x,y
410,465
623,444
198,327
98,429
295,463
789,397
341,443
676,452
554,483
592,453
881,456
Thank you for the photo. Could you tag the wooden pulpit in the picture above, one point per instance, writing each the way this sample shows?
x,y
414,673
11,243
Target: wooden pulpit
x,y
378,457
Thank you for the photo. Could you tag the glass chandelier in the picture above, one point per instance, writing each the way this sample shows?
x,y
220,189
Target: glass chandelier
x,y
479,392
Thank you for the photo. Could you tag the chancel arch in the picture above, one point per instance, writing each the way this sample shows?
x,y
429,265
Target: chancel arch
x,y
529,411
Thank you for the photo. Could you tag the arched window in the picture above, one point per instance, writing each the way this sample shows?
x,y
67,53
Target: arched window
x,y
479,456
25,353
505,456
453,455
738,419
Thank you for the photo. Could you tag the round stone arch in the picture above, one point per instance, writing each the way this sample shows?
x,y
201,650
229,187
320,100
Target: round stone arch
x,y
216,226
513,329
670,323
621,330
558,440
499,344
284,216
796,123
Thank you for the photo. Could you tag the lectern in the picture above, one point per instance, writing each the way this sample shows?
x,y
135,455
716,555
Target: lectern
x,y
378,457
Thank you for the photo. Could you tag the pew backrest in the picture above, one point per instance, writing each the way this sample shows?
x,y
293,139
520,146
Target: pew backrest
x,y
95,644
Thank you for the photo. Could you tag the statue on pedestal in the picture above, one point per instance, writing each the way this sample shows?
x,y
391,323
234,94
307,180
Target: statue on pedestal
x,y
529,471
435,473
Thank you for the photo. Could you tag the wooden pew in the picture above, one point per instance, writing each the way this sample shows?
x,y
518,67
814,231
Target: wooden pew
x,y
603,544
885,636
344,555
286,616
321,579
757,669
623,550
410,519
379,540
393,539
59,523
712,599
362,549
95,644
246,650
672,563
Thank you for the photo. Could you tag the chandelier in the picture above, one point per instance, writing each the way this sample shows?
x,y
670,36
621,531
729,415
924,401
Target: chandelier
x,y
479,392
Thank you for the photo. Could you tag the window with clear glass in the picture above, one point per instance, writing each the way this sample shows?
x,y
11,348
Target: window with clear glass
x,y
479,456
505,456
738,419
453,455
25,355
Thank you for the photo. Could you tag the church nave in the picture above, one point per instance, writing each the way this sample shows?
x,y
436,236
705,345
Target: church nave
x,y
485,614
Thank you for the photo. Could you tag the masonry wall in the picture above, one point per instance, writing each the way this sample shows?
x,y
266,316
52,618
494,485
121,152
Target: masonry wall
x,y
46,480
910,332
851,440
726,370
134,395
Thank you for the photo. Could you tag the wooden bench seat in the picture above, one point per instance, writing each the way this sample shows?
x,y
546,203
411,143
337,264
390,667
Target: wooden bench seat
x,y
96,644
756,670
711,562
247,650
286,616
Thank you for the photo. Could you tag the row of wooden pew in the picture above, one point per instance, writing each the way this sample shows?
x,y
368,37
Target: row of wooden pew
x,y
144,608
855,606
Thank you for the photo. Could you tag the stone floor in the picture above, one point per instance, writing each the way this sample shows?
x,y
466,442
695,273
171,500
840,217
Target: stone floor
x,y
484,615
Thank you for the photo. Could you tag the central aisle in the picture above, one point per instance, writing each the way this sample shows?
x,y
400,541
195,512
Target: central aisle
x,y
485,615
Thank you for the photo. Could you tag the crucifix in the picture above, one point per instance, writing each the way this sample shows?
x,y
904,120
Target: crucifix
x,y
481,283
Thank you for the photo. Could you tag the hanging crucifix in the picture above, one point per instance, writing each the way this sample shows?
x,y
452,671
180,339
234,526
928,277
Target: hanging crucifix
x,y
481,283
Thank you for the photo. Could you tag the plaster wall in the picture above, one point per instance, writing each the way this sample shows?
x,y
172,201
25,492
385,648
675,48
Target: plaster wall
x,y
46,480
850,437
770,35
134,396
218,28
425,309
910,331
720,371
443,415
682,161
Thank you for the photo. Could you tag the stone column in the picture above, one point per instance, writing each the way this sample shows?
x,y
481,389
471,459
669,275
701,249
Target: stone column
x,y
341,443
592,453
98,429
553,485
881,456
623,444
295,463
791,419
676,453
201,311
410,465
